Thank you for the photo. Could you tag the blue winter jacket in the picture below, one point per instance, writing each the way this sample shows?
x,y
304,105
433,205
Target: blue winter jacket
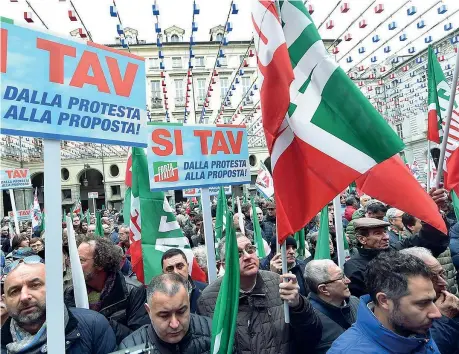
x,y
367,335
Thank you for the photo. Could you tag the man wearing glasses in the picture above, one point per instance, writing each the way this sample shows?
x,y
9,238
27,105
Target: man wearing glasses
x,y
86,331
445,330
331,299
261,326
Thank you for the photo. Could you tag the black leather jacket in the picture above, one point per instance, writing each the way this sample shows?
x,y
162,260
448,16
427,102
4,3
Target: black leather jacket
x,y
197,340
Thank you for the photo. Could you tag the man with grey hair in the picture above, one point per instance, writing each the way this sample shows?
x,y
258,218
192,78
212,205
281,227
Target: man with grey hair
x,y
331,299
445,330
173,329
396,229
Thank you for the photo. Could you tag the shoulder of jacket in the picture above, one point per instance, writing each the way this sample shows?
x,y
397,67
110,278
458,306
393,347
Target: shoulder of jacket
x,y
131,283
139,336
201,325
353,341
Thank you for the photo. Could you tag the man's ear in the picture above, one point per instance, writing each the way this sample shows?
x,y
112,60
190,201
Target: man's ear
x,y
147,308
362,240
322,289
383,301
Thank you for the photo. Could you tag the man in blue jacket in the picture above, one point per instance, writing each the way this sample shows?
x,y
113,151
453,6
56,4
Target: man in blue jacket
x,y
398,313
86,331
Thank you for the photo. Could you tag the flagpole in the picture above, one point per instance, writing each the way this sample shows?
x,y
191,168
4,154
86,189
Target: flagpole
x,y
449,113
15,212
208,234
428,166
285,271
339,231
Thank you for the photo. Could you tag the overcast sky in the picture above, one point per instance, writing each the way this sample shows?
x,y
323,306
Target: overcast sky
x,y
137,14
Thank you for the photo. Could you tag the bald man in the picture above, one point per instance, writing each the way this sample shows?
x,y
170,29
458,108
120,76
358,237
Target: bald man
x,y
86,331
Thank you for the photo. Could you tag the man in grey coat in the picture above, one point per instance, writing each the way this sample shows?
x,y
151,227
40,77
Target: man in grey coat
x,y
261,327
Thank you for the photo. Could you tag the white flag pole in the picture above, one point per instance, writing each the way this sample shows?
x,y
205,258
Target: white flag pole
x,y
240,218
15,212
285,271
53,248
449,113
79,284
209,234
339,231
428,166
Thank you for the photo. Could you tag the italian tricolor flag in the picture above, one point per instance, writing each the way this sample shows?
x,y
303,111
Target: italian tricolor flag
x,y
153,228
321,132
438,99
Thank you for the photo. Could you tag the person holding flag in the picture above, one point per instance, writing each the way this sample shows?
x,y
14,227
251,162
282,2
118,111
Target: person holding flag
x,y
261,327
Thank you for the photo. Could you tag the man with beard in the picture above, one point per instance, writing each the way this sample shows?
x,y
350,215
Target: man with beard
x,y
119,298
261,326
173,329
86,332
398,313
445,330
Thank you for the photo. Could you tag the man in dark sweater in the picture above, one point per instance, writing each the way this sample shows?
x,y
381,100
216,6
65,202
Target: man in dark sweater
x,y
331,299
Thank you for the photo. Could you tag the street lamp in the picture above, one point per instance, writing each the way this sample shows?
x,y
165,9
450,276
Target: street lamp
x,y
85,180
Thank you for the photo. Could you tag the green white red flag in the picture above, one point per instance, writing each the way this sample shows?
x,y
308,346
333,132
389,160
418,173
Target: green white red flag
x,y
153,228
438,100
319,141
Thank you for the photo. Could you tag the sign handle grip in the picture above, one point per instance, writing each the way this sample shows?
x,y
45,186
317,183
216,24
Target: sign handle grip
x,y
209,234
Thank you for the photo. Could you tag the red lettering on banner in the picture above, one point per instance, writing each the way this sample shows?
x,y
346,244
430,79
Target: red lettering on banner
x,y
178,142
219,144
3,49
90,60
167,146
57,51
203,136
236,144
122,86
18,173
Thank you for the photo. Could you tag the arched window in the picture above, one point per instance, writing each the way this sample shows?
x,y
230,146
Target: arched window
x,y
219,37
174,38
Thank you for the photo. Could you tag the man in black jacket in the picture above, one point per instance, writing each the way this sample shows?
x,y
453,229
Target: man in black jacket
x,y
174,261
268,225
261,326
331,299
119,298
86,331
173,329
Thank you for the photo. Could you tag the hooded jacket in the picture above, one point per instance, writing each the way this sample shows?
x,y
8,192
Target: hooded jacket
x,y
196,341
261,326
87,332
367,335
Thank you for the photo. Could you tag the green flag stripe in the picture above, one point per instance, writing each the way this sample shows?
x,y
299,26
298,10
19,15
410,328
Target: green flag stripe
x,y
351,117
297,49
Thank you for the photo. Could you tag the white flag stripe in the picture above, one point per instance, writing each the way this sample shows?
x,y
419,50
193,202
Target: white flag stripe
x,y
282,142
271,28
296,24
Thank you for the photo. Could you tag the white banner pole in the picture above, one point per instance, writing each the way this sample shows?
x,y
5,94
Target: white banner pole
x,y
94,205
285,271
449,113
339,232
15,212
209,234
428,166
53,248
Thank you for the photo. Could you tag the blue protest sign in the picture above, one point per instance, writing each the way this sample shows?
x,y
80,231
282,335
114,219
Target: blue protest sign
x,y
57,88
186,156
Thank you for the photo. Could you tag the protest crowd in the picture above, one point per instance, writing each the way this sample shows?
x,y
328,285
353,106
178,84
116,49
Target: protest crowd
x,y
398,291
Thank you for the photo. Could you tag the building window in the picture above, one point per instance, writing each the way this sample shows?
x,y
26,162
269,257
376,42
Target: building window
x,y
116,190
153,63
199,61
219,37
399,130
155,94
241,58
223,61
65,174
179,92
175,38
245,84
114,171
177,62
223,87
201,90
252,160
66,194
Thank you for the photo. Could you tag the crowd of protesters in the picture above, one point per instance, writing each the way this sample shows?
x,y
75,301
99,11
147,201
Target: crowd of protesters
x,y
398,291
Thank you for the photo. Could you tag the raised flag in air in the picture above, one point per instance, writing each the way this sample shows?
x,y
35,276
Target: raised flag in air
x,y
323,240
264,182
438,100
153,228
319,141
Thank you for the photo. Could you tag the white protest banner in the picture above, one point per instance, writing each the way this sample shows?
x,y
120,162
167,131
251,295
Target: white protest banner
x,y
13,178
22,215
93,195
63,89
264,182
196,192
